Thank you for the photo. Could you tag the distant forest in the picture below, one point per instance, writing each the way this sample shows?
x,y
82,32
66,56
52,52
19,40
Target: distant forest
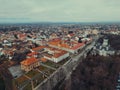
x,y
95,73
114,41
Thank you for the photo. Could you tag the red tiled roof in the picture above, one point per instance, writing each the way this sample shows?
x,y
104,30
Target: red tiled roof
x,y
38,48
32,53
77,46
43,59
59,43
29,61
56,39
56,52
56,55
22,35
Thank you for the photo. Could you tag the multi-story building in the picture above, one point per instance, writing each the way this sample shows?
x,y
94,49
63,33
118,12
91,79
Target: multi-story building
x,y
29,64
55,55
70,46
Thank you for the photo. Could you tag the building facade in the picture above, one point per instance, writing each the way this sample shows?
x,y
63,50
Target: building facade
x,y
29,64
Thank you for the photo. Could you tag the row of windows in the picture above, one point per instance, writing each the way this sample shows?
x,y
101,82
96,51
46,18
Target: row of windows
x,y
31,66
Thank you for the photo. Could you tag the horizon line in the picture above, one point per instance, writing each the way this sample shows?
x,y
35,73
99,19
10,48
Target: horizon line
x,y
27,22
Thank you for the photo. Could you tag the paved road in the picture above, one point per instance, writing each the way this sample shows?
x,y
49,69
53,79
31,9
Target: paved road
x,y
86,49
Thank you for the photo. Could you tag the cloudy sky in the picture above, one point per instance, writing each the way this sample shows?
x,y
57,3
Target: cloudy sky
x,y
59,10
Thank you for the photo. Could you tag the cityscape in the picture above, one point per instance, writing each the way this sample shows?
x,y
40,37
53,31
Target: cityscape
x,y
32,55
59,45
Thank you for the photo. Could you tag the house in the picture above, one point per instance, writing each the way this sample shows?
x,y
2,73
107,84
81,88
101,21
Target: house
x,y
38,49
6,43
29,64
22,36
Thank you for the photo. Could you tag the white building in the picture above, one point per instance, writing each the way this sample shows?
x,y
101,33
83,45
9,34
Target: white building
x,y
55,55
103,49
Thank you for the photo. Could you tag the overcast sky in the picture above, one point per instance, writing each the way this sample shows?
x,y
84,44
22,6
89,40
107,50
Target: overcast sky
x,y
59,10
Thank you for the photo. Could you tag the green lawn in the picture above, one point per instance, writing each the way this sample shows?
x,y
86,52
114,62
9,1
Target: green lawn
x,y
52,64
28,87
20,80
42,68
46,70
32,73
38,80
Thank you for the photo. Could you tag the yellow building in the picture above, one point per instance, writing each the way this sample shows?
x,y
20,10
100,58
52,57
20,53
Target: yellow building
x,y
29,64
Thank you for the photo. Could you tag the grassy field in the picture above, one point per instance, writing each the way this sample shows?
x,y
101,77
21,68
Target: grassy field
x,y
21,80
28,87
51,64
32,73
38,80
42,68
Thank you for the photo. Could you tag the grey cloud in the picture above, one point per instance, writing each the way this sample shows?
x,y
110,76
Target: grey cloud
x,y
61,10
